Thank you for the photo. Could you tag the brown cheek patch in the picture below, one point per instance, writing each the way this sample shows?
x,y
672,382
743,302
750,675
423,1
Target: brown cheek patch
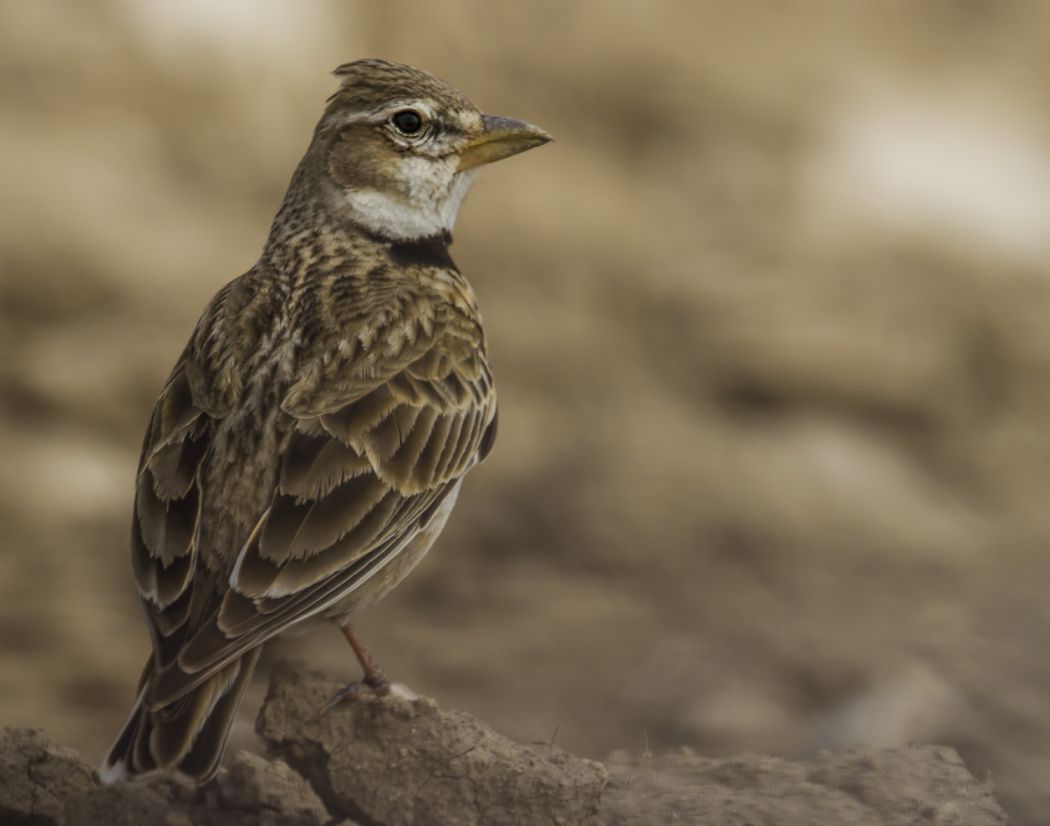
x,y
362,158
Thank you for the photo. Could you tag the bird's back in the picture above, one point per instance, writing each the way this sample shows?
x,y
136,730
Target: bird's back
x,y
267,336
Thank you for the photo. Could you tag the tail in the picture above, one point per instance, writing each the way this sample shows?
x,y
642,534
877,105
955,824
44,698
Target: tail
x,y
187,737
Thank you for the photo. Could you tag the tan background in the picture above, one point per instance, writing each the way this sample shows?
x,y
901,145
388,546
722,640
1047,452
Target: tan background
x,y
771,324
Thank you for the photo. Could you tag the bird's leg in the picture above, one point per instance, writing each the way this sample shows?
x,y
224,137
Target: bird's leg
x,y
374,678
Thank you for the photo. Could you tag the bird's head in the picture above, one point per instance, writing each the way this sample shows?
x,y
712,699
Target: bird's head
x,y
399,148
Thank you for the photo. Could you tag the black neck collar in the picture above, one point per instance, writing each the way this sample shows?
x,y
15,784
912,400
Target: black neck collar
x,y
431,251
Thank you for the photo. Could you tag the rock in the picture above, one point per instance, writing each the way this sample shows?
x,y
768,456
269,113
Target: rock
x,y
396,760
134,804
273,790
42,785
393,760
37,778
916,784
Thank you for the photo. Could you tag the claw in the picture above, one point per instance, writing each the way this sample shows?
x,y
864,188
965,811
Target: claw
x,y
376,683
374,680
352,690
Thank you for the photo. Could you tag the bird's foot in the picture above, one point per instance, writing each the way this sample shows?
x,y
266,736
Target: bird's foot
x,y
375,683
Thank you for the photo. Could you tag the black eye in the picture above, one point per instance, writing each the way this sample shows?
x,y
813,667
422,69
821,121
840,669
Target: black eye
x,y
407,121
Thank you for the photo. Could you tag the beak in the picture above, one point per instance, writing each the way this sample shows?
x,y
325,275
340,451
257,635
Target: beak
x,y
501,138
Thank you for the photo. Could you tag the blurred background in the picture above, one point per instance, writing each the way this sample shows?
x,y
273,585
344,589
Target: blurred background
x,y
771,326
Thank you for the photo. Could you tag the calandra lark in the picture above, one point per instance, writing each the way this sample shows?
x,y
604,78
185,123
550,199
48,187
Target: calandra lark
x,y
309,444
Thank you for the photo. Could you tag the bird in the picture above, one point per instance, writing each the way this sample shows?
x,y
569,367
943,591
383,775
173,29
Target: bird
x,y
310,442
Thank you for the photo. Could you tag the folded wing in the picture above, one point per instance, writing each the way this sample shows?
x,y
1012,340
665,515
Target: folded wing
x,y
382,431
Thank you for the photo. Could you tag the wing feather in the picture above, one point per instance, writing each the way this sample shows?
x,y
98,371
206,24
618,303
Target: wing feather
x,y
166,517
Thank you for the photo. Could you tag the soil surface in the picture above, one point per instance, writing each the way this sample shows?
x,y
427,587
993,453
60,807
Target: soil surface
x,y
400,759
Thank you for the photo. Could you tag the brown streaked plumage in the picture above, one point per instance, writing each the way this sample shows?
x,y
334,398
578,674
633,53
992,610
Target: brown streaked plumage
x,y
310,442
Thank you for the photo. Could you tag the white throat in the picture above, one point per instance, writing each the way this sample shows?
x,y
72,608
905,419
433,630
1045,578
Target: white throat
x,y
424,214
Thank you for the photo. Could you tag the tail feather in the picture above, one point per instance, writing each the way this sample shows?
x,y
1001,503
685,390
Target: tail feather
x,y
187,737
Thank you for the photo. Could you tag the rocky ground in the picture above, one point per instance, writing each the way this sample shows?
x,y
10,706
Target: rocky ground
x,y
400,759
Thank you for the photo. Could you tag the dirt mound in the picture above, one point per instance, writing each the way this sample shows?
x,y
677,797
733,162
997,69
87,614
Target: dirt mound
x,y
862,787
45,785
412,763
400,759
